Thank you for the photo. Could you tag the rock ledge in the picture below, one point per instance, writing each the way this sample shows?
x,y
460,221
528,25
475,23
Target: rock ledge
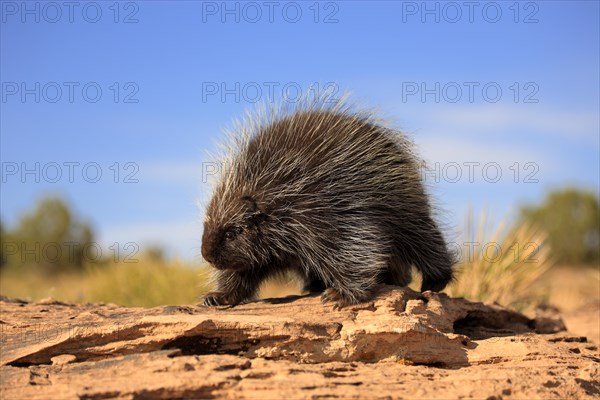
x,y
401,344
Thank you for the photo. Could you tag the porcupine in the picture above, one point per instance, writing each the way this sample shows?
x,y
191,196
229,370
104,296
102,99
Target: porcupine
x,y
329,192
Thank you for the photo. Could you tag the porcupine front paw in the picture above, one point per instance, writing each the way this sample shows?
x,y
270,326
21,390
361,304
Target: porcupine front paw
x,y
334,295
219,299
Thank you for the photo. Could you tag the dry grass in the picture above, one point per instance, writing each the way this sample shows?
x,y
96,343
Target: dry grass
x,y
510,266
145,283
501,264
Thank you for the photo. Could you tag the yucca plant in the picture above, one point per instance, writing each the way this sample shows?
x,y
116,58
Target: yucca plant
x,y
503,262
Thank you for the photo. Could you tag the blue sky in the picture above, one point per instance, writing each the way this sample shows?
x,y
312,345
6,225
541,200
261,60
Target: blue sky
x,y
498,87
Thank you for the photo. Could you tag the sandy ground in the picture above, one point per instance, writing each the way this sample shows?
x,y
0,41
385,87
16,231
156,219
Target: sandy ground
x,y
575,293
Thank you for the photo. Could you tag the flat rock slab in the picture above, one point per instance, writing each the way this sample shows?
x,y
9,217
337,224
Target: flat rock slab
x,y
401,344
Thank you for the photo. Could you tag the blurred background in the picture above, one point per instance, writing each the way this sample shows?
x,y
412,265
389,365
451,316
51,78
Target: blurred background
x,y
110,111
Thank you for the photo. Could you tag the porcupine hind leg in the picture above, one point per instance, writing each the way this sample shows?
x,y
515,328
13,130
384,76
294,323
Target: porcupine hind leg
x,y
355,271
398,272
429,253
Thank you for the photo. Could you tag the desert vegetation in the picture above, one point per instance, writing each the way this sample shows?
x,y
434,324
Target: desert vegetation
x,y
518,262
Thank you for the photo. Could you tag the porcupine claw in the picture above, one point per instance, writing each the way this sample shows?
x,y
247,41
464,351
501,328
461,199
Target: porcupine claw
x,y
217,299
333,295
210,301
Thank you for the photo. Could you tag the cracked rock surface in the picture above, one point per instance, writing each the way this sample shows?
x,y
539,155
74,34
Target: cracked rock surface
x,y
403,344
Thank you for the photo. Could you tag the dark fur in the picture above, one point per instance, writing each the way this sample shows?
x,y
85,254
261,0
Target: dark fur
x,y
332,194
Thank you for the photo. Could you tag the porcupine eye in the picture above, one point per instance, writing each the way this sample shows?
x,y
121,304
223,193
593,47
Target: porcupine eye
x,y
232,233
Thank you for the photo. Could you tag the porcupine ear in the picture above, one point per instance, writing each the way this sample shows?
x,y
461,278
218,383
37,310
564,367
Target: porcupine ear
x,y
255,215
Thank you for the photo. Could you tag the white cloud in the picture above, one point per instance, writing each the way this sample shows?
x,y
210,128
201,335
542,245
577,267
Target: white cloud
x,y
504,134
446,148
494,119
